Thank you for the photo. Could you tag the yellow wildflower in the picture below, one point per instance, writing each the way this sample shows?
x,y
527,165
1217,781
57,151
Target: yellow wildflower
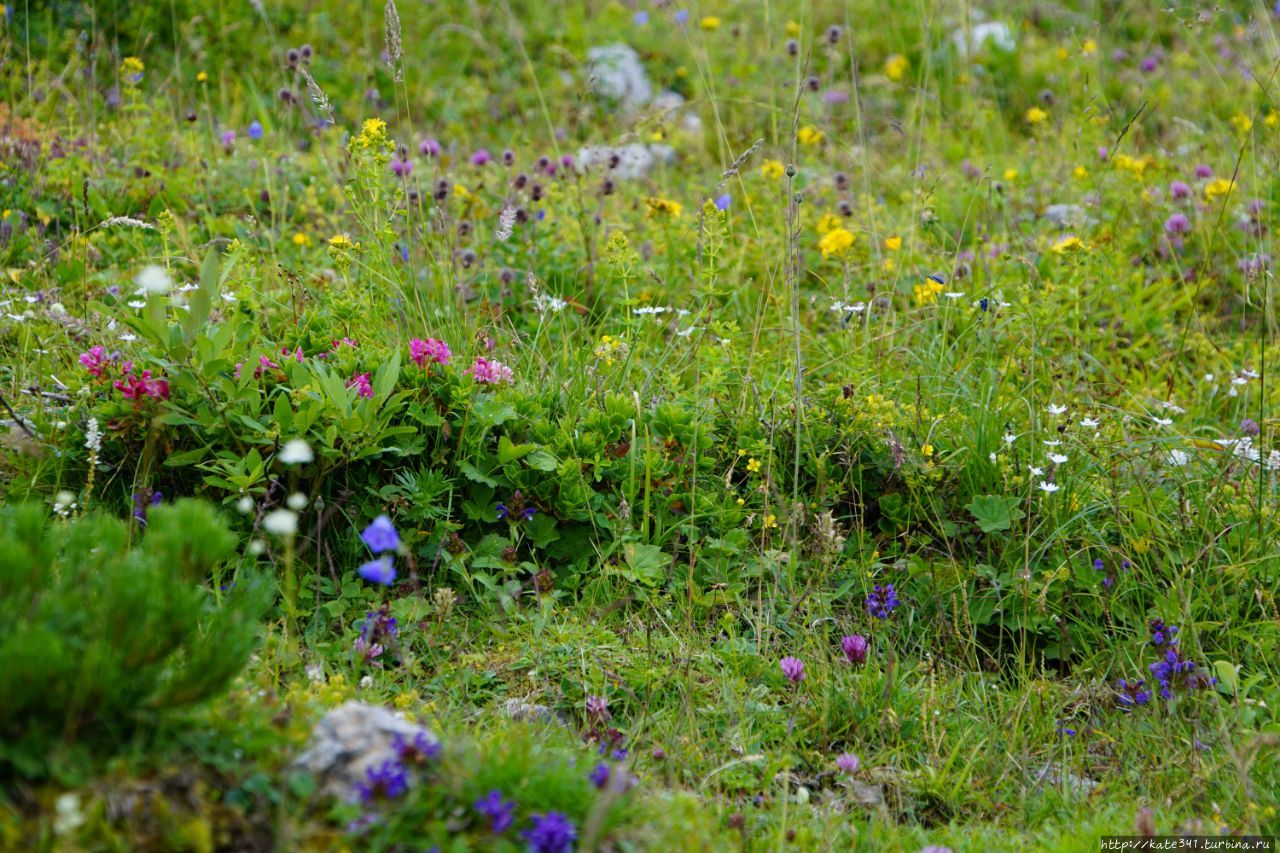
x,y
828,222
1010,174
655,206
710,22
372,133
1035,115
893,244
928,292
773,169
770,521
895,67
927,450
1067,244
202,77
1242,123
300,239
131,69
1218,187
1089,48
837,241
809,135
1080,172
793,29
753,465
339,241
1272,119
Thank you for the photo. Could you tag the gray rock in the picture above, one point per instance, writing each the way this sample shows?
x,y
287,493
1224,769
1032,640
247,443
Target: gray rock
x,y
1068,215
617,74
527,712
1051,774
351,739
634,160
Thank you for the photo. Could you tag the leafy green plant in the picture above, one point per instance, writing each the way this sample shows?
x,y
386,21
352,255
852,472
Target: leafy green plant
x,y
103,632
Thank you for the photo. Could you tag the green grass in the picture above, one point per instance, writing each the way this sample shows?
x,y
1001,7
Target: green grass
x,y
895,358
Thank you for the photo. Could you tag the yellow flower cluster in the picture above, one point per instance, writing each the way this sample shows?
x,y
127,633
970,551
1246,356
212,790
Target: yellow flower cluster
x,y
610,349
838,241
772,169
1136,166
655,206
927,292
810,135
895,67
1035,116
372,134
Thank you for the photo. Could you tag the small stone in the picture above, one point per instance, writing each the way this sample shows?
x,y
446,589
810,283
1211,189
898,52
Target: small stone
x,y
348,741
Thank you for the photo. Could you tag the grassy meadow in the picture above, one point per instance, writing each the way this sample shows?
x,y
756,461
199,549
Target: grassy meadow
x,y
702,426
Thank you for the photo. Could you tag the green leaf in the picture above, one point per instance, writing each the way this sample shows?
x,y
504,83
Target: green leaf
x,y
508,452
646,562
1228,675
995,512
475,475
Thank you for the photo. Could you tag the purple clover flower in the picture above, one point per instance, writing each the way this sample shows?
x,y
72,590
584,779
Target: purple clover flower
x,y
848,763
793,669
855,648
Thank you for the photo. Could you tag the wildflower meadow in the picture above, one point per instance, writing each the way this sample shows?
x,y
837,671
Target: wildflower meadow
x,y
638,425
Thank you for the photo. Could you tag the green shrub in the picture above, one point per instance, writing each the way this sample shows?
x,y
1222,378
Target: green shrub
x,y
103,631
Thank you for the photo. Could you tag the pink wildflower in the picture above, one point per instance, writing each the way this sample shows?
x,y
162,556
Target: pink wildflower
x,y
489,371
95,362
361,383
429,351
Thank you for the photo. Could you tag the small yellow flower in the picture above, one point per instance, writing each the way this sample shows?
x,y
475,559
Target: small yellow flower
x,y
793,29
1062,54
1218,187
1272,119
339,241
770,521
741,452
1242,123
927,293
893,244
837,241
1080,172
1089,48
710,22
740,502
773,169
373,132
131,68
1010,174
657,135
810,135
829,222
1068,244
300,239
1035,115
682,72
202,77
656,206
753,465
927,450
888,265
461,193
895,67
